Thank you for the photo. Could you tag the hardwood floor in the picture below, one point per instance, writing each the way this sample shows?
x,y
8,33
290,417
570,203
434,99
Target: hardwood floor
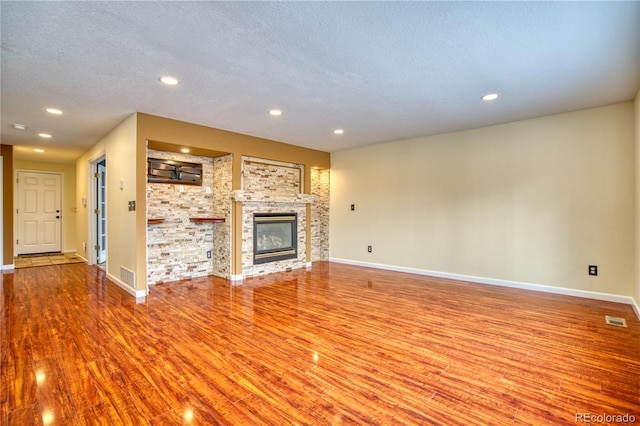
x,y
335,345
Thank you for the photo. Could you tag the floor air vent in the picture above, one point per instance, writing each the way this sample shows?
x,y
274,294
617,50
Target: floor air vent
x,y
128,276
620,322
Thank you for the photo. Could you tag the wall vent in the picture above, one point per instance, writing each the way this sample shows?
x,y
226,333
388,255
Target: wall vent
x,y
617,321
128,277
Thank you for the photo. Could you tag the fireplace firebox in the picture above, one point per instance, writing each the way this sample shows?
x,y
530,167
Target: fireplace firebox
x,y
274,237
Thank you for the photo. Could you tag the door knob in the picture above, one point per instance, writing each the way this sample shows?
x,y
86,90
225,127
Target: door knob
x,y
57,211
57,217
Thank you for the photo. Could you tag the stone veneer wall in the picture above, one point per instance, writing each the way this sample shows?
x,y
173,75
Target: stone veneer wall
x,y
222,190
320,184
177,248
279,179
264,182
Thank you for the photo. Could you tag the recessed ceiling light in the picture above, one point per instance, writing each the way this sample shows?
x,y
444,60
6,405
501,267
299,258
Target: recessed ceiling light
x,y
185,150
338,132
38,150
44,135
54,111
168,80
490,97
19,126
275,112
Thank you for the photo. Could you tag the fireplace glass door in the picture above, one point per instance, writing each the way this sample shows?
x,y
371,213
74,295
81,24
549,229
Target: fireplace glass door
x,y
274,237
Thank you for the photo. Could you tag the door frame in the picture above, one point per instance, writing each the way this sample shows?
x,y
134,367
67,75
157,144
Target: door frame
x,y
101,218
15,204
92,255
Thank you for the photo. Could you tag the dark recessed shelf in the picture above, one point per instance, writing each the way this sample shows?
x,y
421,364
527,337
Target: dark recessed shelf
x,y
207,219
154,221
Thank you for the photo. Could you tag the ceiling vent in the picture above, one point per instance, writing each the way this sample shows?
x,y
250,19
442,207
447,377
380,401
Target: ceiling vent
x,y
619,322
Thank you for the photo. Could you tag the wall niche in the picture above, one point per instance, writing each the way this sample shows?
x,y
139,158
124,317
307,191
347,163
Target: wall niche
x,y
177,246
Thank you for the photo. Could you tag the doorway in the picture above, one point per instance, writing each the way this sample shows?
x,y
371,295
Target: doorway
x,y
100,211
38,212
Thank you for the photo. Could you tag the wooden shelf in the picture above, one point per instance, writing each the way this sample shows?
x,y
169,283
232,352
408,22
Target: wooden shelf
x,y
154,221
207,219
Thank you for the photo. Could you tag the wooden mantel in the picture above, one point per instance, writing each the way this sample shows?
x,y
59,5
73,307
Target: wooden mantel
x,y
207,219
261,197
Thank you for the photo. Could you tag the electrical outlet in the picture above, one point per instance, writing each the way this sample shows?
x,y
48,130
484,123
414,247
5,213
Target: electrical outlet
x,y
593,270
209,254
353,207
369,249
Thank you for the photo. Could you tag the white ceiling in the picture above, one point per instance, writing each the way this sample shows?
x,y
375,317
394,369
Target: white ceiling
x,y
381,71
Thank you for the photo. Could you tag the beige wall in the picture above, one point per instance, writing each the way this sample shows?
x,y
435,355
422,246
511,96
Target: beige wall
x,y
7,205
533,201
119,148
637,213
69,213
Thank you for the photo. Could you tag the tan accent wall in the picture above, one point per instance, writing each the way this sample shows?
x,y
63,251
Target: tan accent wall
x,y
180,133
532,201
69,208
7,204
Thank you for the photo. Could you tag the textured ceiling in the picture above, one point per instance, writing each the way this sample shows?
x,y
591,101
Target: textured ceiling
x,y
381,71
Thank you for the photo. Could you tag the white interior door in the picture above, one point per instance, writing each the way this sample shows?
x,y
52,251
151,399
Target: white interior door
x,y
101,213
38,212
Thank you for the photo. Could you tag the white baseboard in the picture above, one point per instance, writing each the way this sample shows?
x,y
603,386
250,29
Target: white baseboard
x,y
238,277
9,267
627,300
132,291
635,307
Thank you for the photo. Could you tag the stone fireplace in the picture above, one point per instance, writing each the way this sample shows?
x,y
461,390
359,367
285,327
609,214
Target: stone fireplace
x,y
275,217
260,204
178,247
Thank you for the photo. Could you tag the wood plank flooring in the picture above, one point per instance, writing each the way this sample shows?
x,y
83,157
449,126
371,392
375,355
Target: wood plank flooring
x,y
334,345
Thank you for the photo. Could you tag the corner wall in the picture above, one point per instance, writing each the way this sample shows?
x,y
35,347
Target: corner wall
x,y
119,148
534,201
